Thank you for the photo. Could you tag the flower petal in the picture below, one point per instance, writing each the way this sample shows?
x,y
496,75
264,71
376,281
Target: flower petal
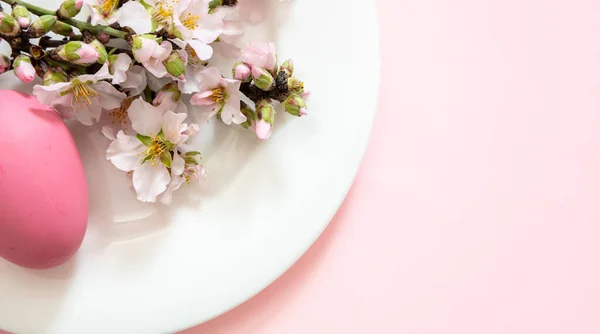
x,y
203,50
167,195
171,125
145,118
136,80
136,17
210,78
150,181
210,26
177,165
88,114
110,97
124,152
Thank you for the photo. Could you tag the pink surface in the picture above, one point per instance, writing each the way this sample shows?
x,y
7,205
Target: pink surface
x,y
476,208
43,191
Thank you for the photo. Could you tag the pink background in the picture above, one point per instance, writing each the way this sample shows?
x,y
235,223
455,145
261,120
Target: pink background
x,y
476,208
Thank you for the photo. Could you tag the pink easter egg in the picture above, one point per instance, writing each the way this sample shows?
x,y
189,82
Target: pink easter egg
x,y
43,191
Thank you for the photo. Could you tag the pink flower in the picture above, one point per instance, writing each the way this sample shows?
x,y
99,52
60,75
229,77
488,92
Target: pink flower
x,y
197,26
218,94
147,51
261,56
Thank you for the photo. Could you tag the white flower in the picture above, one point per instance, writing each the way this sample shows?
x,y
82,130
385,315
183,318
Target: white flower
x,y
218,94
185,172
260,56
233,30
132,14
119,65
83,97
197,26
193,68
136,80
153,151
147,50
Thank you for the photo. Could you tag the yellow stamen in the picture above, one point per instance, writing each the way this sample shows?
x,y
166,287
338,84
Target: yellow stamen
x,y
193,58
82,92
190,21
155,150
108,6
120,114
219,94
163,11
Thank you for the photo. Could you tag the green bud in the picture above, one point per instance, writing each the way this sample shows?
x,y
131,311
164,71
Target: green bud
x,y
295,105
103,55
287,67
78,53
41,26
22,58
263,79
295,85
22,15
265,111
62,28
52,77
250,116
69,8
175,65
8,25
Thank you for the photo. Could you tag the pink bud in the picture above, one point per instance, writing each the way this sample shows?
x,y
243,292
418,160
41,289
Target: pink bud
x,y
103,37
305,94
25,71
256,72
78,4
87,53
262,129
241,72
4,64
303,112
23,22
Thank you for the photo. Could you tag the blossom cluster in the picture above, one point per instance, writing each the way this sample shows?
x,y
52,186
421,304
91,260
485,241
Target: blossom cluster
x,y
139,92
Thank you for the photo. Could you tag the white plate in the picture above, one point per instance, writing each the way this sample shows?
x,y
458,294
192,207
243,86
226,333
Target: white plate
x,y
176,267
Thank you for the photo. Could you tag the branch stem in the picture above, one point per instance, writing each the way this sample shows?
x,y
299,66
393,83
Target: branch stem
x,y
75,23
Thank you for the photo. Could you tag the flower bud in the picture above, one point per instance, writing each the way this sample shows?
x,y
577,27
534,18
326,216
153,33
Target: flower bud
x,y
8,25
23,68
52,77
41,26
175,65
102,54
241,72
62,28
143,45
295,105
262,79
169,93
250,116
69,8
265,117
295,85
78,53
287,67
4,63
22,15
103,37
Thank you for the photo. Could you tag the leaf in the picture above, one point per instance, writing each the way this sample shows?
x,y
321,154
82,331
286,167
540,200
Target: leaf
x,y
144,139
166,159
